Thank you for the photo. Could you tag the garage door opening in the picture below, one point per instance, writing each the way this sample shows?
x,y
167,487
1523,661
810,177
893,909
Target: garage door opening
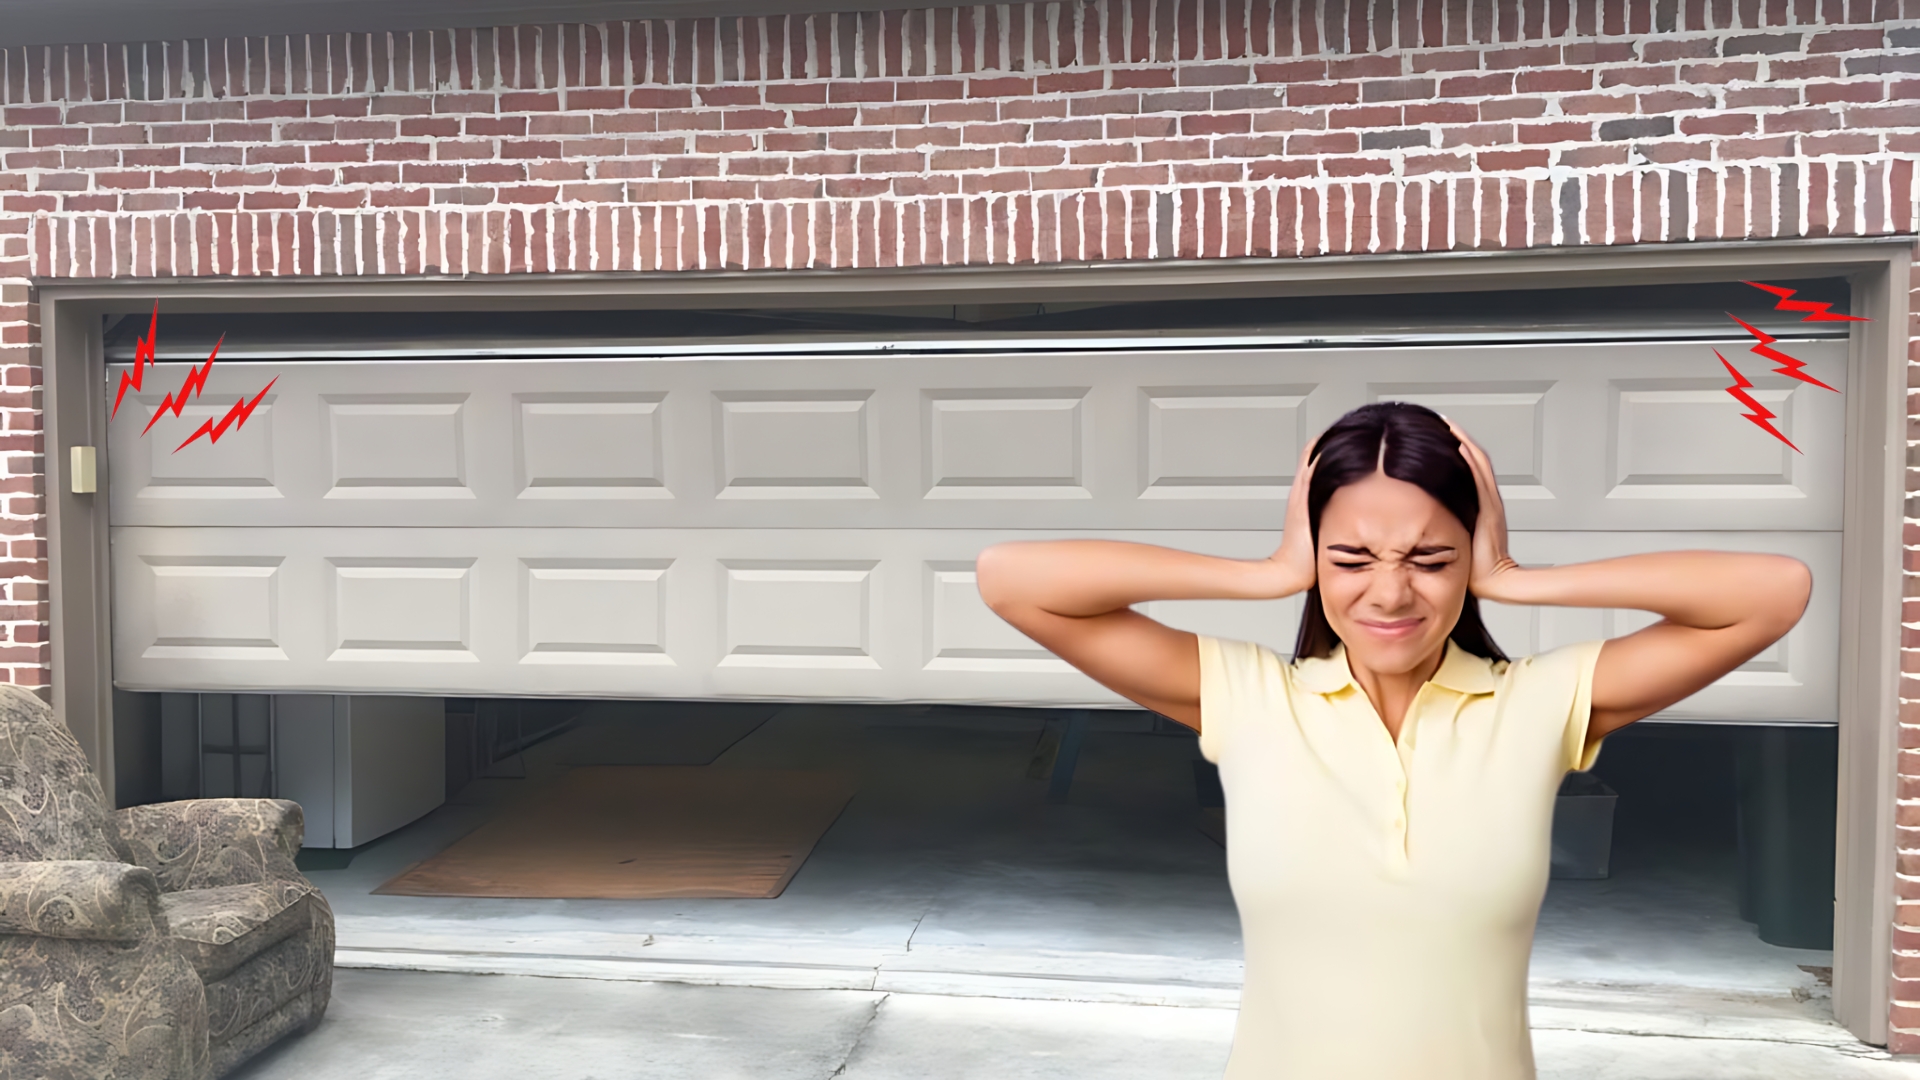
x,y
1002,851
778,511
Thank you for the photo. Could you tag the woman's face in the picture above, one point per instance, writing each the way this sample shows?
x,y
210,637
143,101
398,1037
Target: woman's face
x,y
1393,566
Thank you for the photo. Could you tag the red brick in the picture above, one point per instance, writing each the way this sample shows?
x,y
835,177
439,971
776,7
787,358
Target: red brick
x,y
527,101
1761,97
1378,66
1334,94
1557,80
1726,123
1291,71
1534,56
1422,164
1343,142
1847,41
1070,82
919,90
1511,160
1660,51
1477,85
1885,116
1442,112
1799,120
653,97
1215,74
1843,143
1000,87
1447,60
1731,71
1813,67
1640,75
1665,101
1513,108
1564,131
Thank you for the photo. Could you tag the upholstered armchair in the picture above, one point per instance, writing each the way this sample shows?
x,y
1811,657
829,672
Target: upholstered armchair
x,y
170,942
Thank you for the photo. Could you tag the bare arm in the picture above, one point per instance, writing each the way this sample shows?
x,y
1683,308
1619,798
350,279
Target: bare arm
x,y
1718,609
1075,598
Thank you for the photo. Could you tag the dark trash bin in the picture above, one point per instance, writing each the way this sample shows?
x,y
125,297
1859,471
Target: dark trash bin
x,y
1583,828
1788,793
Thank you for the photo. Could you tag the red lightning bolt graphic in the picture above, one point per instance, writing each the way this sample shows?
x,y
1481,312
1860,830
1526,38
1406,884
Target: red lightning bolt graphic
x,y
236,416
190,388
142,356
1816,310
1789,366
1760,415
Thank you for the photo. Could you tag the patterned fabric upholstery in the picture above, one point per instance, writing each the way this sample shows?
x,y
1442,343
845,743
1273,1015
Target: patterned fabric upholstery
x,y
82,901
167,942
221,928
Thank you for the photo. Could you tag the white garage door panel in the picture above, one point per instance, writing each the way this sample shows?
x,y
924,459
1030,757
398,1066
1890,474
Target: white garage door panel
x,y
1585,437
843,614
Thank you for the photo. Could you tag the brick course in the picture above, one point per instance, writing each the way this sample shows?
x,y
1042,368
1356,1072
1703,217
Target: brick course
x,y
1035,133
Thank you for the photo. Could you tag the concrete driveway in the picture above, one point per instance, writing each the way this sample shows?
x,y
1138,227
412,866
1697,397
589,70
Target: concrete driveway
x,y
414,1025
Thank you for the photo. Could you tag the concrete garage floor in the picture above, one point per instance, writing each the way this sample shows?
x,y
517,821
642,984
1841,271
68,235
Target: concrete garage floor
x,y
949,891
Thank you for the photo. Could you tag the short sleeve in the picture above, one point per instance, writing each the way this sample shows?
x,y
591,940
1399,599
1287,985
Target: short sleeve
x,y
1570,668
1233,682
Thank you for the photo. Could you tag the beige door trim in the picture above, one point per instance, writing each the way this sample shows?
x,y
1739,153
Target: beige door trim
x,y
75,388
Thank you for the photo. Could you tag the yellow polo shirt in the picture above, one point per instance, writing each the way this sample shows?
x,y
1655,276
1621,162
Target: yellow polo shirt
x,y
1388,891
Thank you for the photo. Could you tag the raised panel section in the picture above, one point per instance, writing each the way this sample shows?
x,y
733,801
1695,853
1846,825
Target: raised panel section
x,y
1006,444
1689,439
963,633
417,610
1074,437
575,446
213,608
1273,623
1793,680
1220,442
239,466
798,614
587,611
1507,419
397,447
795,445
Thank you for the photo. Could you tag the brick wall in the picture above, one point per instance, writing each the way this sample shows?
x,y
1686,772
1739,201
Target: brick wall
x,y
1126,129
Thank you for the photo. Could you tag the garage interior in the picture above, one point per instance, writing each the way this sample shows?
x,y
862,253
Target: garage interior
x,y
1012,833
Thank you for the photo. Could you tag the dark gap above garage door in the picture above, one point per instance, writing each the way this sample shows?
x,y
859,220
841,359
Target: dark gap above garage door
x,y
1665,311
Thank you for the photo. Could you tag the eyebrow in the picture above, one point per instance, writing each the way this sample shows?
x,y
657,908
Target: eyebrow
x,y
1433,549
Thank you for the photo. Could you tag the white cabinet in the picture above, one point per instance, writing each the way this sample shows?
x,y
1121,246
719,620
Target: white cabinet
x,y
359,766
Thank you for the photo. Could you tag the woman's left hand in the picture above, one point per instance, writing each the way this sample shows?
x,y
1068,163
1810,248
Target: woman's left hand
x,y
1493,566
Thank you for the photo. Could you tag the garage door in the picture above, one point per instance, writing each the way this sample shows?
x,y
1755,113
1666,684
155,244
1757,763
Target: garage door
x,y
759,525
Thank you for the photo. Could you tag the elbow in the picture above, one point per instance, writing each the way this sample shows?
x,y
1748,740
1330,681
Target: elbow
x,y
990,577
1793,588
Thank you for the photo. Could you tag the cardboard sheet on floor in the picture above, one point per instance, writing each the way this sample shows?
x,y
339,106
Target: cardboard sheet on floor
x,y
621,832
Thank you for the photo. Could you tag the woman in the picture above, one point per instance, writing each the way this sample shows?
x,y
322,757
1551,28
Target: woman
x,y
1390,792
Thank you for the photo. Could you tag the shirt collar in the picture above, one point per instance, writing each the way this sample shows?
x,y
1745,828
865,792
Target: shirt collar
x,y
1459,671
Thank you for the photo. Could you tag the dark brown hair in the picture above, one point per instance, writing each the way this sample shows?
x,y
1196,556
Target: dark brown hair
x,y
1419,449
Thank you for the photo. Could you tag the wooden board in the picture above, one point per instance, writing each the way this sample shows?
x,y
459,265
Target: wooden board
x,y
641,833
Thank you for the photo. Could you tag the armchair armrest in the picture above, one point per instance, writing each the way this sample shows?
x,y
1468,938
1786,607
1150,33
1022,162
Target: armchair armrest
x,y
208,843
79,900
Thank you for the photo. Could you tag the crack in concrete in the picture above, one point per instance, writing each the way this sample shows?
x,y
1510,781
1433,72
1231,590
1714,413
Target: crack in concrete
x,y
859,1037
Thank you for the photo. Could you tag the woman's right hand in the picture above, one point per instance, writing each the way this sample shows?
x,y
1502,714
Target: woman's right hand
x,y
1295,563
